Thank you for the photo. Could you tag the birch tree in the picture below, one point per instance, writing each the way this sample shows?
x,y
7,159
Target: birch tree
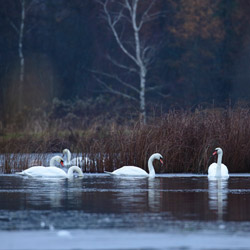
x,y
20,32
130,17
25,6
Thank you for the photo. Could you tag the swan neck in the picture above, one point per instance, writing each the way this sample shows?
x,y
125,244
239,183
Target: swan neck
x,y
52,161
219,161
76,169
151,167
68,156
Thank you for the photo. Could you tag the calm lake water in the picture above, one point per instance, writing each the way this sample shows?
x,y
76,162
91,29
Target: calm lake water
x,y
103,212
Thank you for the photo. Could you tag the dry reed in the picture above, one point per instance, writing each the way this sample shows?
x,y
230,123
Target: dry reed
x,y
186,140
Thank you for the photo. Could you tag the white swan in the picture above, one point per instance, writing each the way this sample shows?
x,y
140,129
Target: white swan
x,y
218,170
136,171
40,171
78,161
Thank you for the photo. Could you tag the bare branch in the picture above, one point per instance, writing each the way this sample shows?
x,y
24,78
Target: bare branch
x,y
111,90
14,26
154,88
128,6
117,18
145,14
154,16
112,26
115,77
31,5
133,16
159,87
122,66
164,96
148,55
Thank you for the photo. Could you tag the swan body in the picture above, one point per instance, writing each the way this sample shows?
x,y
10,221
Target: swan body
x,y
40,171
78,161
136,171
218,170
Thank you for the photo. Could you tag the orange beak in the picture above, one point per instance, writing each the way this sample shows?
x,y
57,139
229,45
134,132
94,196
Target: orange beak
x,y
161,161
215,153
61,162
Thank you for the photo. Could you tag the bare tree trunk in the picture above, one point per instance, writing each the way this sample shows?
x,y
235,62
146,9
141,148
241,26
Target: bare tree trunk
x,y
21,57
142,98
142,67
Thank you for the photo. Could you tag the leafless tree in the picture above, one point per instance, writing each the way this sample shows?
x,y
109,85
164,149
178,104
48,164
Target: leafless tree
x,y
132,16
20,30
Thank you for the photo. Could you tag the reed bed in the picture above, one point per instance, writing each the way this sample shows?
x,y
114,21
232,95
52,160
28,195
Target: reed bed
x,y
185,139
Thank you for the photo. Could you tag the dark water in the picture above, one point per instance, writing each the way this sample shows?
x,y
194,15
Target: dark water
x,y
166,203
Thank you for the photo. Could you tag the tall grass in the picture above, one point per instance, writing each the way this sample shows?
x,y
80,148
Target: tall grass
x,y
185,139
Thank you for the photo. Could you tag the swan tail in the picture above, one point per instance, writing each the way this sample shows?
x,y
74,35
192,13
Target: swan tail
x,y
24,174
107,172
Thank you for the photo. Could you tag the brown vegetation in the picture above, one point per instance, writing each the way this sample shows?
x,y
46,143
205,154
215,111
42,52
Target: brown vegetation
x,y
186,140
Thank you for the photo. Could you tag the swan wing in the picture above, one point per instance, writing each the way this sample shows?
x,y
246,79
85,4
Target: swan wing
x,y
40,171
130,171
212,170
33,171
55,172
224,170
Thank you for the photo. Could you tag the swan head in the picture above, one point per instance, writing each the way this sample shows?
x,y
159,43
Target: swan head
x,y
158,156
65,151
218,151
74,169
59,159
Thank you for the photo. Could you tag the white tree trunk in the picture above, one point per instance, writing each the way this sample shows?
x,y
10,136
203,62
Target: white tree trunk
x,y
21,57
142,98
141,65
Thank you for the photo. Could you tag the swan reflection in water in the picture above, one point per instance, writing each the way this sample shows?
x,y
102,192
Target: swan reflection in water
x,y
137,193
217,193
46,192
154,195
52,192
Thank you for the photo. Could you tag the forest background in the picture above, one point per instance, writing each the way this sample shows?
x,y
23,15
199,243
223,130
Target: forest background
x,y
63,80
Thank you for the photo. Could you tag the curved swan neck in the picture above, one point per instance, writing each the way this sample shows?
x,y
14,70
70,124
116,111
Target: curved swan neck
x,y
52,161
150,166
76,169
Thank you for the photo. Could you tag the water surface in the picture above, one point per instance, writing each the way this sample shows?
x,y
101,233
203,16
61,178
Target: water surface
x,y
98,204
